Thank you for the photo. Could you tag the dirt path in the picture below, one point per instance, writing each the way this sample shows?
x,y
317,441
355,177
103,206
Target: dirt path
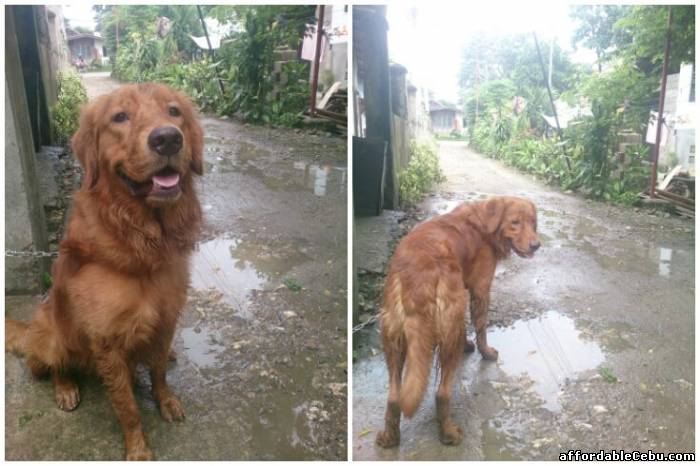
x,y
261,366
610,296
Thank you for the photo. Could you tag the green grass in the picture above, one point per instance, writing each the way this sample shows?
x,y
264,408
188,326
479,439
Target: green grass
x,y
292,284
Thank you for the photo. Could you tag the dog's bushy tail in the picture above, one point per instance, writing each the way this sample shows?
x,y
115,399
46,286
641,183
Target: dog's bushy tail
x,y
419,355
16,336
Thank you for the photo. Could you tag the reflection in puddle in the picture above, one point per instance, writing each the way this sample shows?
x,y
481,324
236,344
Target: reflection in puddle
x,y
665,261
548,349
214,266
235,267
201,346
319,177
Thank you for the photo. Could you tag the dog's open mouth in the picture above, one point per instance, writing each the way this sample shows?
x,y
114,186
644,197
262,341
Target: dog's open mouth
x,y
164,184
524,254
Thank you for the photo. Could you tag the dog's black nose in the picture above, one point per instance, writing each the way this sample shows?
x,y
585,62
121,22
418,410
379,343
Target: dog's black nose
x,y
534,246
165,140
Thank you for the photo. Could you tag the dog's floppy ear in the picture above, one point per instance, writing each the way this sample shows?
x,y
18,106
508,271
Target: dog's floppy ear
x,y
197,146
84,145
492,214
195,134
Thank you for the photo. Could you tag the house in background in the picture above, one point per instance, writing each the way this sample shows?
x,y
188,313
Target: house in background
x,y
89,46
445,118
418,114
678,132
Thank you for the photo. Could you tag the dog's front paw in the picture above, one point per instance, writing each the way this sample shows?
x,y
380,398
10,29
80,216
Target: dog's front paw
x,y
67,395
450,433
489,353
388,438
171,409
142,453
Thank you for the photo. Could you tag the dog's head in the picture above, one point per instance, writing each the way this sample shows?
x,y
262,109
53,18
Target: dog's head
x,y
513,223
142,139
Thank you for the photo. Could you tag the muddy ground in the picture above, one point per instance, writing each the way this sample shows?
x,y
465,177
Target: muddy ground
x,y
261,348
595,333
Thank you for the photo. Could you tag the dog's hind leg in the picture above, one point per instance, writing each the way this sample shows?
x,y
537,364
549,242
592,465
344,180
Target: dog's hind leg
x,y
395,353
469,345
451,337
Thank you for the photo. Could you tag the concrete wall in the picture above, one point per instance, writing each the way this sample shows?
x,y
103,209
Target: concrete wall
x,y
20,273
25,225
400,138
57,32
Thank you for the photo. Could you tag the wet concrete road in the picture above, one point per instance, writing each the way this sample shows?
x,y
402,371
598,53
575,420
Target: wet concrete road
x,y
261,348
595,333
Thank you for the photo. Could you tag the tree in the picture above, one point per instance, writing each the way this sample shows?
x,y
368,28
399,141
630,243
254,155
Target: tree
x,y
595,30
83,30
493,65
640,35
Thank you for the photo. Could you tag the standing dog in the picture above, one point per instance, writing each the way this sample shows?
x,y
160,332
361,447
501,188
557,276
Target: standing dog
x,y
121,277
425,299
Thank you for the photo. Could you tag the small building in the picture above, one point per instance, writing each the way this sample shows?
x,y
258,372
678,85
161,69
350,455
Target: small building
x,y
90,47
678,132
445,118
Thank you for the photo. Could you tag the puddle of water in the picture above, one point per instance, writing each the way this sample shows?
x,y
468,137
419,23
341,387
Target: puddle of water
x,y
215,266
202,346
236,267
665,256
226,156
648,258
549,349
321,178
496,443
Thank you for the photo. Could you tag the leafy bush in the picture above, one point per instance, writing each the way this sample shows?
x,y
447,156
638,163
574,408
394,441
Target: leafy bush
x,y
244,64
421,174
633,177
66,111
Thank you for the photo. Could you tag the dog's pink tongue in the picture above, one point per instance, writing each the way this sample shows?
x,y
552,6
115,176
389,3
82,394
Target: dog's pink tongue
x,y
166,181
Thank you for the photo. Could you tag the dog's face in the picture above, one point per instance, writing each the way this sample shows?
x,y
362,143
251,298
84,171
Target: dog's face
x,y
519,226
514,220
143,139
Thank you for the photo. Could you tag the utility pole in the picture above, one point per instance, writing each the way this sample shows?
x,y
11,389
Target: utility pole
x,y
551,55
551,101
662,98
211,51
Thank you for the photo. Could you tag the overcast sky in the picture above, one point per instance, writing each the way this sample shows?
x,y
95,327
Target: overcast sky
x,y
80,14
427,37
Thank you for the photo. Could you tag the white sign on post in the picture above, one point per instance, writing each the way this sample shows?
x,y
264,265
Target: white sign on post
x,y
651,129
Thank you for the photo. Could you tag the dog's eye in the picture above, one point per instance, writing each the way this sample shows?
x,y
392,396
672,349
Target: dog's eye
x,y
120,117
174,111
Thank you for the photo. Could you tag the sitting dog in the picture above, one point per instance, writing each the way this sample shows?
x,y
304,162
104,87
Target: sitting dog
x,y
120,280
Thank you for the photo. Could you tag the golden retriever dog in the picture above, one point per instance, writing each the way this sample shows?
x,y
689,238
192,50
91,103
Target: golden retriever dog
x,y
435,269
120,280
